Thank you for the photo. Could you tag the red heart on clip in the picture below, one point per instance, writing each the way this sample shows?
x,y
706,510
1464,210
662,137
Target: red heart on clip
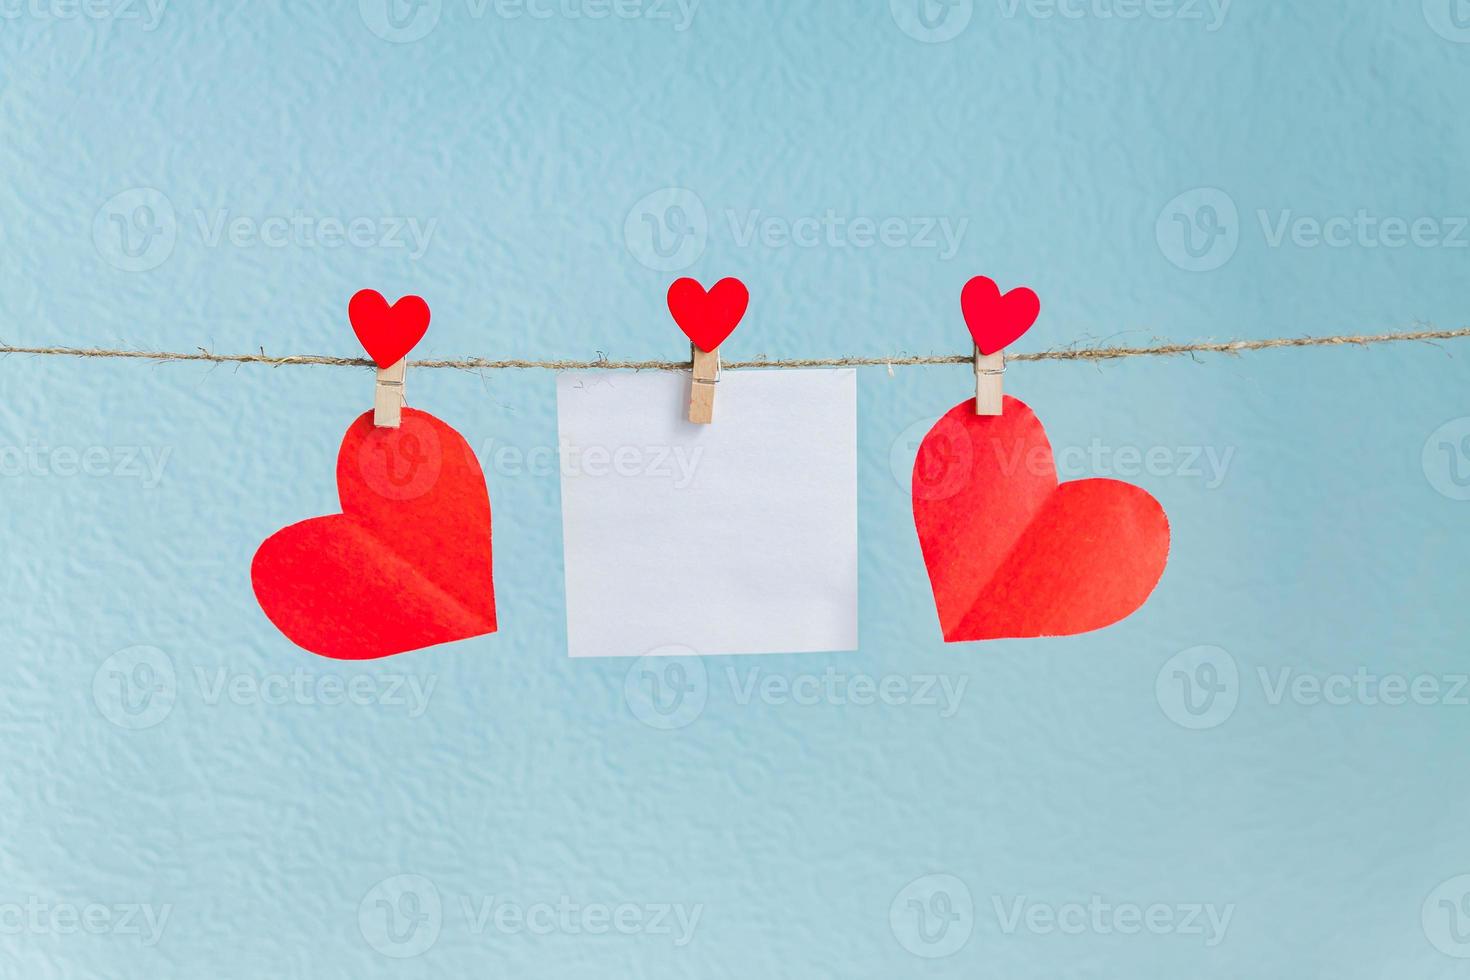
x,y
408,562
995,320
386,332
708,317
1013,553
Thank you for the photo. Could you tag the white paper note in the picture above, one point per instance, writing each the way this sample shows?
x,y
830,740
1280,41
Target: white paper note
x,y
736,537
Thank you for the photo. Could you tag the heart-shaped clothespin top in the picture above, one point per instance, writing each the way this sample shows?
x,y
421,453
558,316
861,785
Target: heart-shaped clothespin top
x,y
996,320
707,317
387,332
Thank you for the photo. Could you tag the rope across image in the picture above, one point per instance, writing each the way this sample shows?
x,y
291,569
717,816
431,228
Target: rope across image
x,y
489,364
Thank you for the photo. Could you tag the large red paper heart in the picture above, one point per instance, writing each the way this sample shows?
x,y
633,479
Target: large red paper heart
x,y
996,320
406,565
707,318
386,332
1012,553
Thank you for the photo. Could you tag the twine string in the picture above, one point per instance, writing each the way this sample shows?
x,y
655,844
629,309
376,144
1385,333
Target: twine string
x,y
1099,353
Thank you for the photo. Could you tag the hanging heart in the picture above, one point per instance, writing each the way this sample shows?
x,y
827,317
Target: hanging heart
x,y
1013,553
707,317
407,564
387,332
997,320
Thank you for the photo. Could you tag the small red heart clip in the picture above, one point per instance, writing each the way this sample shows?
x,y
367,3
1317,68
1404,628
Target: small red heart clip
x,y
996,320
708,317
386,332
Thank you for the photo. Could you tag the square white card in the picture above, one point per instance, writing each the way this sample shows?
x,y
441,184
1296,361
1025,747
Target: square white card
x,y
735,537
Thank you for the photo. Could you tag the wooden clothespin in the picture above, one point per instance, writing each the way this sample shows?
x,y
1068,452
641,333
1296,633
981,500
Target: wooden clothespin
x,y
702,386
995,320
388,399
990,373
707,317
388,333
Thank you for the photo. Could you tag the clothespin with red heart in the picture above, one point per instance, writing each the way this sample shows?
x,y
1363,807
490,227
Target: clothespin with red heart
x,y
707,317
995,322
388,333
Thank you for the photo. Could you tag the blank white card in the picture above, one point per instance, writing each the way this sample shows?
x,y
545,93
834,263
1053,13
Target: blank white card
x,y
736,537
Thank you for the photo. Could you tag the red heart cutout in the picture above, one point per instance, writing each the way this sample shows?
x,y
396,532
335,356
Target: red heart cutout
x,y
996,321
406,565
1012,553
707,318
386,332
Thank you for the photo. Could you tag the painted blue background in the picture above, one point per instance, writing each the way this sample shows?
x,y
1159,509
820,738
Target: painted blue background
x,y
267,822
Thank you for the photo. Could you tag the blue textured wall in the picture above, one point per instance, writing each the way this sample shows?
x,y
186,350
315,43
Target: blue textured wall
x,y
1062,813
